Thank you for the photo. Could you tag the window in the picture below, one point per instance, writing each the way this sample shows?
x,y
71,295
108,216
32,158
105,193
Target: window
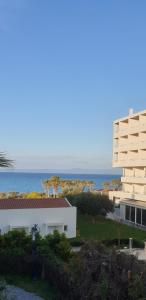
x,y
130,213
144,217
138,216
132,219
127,212
65,227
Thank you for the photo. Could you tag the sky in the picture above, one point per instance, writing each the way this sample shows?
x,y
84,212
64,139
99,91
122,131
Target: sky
x,y
67,70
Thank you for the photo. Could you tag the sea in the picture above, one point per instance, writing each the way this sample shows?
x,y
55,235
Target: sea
x,y
28,182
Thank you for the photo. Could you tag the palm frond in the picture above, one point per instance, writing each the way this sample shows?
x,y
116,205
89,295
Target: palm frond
x,y
4,161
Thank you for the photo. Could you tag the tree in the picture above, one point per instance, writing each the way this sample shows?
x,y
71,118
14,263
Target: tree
x,y
55,182
33,195
47,186
4,161
91,204
116,183
106,185
13,194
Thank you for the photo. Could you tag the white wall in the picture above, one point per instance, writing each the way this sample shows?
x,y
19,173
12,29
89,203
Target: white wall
x,y
28,217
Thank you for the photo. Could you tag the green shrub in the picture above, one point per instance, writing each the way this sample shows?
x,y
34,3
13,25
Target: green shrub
x,y
91,204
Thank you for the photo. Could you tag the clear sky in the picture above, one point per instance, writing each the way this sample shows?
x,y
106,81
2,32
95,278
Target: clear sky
x,y
67,70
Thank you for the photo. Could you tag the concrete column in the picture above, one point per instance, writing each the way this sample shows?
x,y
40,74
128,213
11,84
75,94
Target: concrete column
x,y
123,172
135,214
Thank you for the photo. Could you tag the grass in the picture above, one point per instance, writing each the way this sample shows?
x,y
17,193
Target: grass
x,y
39,287
104,229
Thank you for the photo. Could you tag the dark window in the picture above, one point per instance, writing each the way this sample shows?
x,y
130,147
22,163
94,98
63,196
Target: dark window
x,y
65,227
132,214
138,216
144,217
127,215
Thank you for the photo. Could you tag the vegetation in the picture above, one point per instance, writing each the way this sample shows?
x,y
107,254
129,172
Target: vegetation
x,y
94,273
102,229
31,195
4,161
34,195
106,185
20,256
115,184
66,186
91,204
107,275
42,288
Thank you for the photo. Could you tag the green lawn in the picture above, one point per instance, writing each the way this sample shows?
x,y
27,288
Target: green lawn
x,y
103,229
39,287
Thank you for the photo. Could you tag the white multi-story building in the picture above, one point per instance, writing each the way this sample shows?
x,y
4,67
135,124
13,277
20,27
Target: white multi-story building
x,y
48,214
129,153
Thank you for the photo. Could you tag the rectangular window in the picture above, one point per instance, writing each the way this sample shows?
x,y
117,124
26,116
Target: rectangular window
x,y
138,216
65,227
132,214
127,215
144,217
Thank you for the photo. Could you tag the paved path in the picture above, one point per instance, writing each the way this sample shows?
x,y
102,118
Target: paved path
x,y
15,293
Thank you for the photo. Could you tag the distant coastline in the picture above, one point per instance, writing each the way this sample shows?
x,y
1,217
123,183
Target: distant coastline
x,y
65,171
32,181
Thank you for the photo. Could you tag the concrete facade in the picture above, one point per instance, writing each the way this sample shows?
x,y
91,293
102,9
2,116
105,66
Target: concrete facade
x,y
129,153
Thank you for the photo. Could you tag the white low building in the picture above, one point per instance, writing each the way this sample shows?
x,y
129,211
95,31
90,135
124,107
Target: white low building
x,y
48,214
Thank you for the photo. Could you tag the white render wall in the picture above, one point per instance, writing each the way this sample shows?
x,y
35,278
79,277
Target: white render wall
x,y
47,219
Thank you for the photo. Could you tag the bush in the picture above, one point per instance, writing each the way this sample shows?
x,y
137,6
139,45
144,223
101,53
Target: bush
x,y
76,242
123,242
19,253
91,204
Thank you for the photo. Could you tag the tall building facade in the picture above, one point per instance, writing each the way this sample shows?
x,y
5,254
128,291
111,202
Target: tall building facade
x,y
129,153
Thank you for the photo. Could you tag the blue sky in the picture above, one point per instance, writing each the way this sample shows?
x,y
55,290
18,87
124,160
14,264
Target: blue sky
x,y
67,70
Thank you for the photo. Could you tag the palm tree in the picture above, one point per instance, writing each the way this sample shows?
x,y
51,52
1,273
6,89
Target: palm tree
x,y
55,183
47,185
63,184
116,183
90,184
4,161
106,185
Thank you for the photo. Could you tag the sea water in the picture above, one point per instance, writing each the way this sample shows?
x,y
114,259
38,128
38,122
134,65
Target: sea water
x,y
28,182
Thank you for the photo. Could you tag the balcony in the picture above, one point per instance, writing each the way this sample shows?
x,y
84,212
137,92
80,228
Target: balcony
x,y
125,195
121,163
138,180
130,129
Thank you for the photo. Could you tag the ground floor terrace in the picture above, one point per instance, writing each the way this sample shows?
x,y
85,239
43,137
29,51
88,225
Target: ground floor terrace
x,y
133,212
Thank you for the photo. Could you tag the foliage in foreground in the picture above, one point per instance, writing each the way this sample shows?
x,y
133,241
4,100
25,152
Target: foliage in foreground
x,y
94,273
4,161
100,274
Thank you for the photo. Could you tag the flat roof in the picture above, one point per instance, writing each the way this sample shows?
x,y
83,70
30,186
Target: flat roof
x,y
21,203
130,116
136,203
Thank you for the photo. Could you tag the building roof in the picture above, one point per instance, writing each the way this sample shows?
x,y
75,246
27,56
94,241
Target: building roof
x,y
136,203
129,116
33,203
